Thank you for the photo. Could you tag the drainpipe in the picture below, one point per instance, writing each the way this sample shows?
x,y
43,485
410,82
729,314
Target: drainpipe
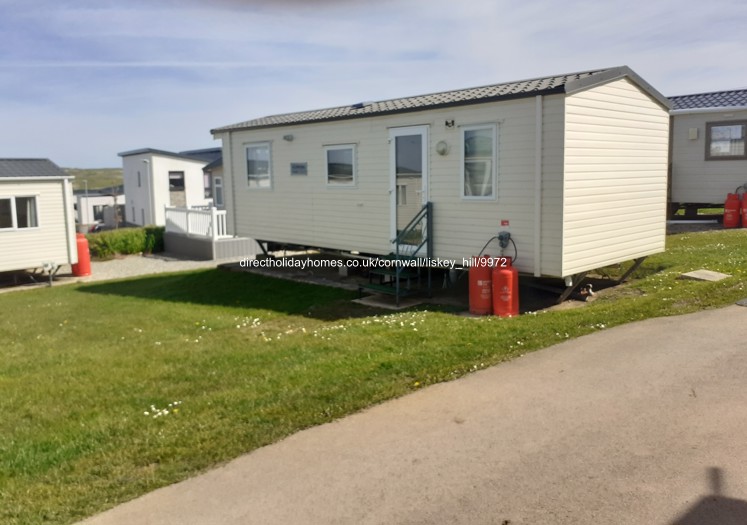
x,y
68,213
88,215
228,151
149,190
538,187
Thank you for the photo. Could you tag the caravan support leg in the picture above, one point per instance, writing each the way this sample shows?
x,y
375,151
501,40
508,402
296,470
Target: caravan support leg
x,y
575,282
630,270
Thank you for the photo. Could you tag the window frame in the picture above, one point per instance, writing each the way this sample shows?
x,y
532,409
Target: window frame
x,y
493,162
98,210
14,212
218,191
177,175
401,190
207,185
725,123
249,178
354,162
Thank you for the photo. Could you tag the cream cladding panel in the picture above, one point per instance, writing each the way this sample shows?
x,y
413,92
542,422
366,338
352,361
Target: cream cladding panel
x,y
32,247
616,149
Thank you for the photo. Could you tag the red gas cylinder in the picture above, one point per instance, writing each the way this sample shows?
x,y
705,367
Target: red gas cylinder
x,y
732,211
83,267
505,289
480,294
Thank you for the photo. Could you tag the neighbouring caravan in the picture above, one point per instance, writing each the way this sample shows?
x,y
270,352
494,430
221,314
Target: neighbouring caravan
x,y
156,179
709,148
37,224
573,166
99,207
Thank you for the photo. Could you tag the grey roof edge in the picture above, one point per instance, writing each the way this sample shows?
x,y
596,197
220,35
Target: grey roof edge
x,y
36,178
706,93
615,73
592,78
164,153
710,101
217,163
239,127
200,150
51,170
710,109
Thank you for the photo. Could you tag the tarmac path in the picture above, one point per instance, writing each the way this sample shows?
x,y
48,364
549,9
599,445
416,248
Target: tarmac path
x,y
639,424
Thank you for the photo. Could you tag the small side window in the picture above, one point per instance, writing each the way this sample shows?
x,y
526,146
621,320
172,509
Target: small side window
x,y
6,214
340,162
726,140
479,162
26,212
18,213
218,183
258,165
176,181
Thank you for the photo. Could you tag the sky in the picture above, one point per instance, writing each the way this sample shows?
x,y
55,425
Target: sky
x,y
82,80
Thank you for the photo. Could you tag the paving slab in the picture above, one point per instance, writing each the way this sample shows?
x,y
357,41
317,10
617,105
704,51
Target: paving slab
x,y
643,423
704,275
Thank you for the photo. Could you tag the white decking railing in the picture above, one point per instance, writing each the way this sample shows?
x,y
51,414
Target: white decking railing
x,y
209,223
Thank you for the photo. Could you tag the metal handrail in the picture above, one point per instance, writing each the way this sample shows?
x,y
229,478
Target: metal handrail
x,y
424,214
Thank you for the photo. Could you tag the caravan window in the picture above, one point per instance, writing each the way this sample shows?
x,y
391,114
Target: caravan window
x,y
18,212
340,165
478,162
258,165
726,140
176,181
6,213
208,187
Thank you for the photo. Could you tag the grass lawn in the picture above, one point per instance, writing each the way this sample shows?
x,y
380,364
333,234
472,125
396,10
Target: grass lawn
x,y
89,372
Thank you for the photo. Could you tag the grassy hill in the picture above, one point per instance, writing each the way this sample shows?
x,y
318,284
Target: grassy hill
x,y
97,178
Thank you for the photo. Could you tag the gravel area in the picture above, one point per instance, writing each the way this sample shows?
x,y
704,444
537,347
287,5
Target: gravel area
x,y
120,268
134,265
692,226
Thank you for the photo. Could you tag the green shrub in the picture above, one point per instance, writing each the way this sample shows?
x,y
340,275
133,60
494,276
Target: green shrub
x,y
153,239
125,241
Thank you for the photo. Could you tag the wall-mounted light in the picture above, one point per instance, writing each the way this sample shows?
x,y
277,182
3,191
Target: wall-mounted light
x,y
288,138
449,123
442,148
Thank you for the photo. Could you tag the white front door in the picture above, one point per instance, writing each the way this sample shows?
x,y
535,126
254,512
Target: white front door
x,y
408,160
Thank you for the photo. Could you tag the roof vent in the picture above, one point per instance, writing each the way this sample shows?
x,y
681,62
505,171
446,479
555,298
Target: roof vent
x,y
361,105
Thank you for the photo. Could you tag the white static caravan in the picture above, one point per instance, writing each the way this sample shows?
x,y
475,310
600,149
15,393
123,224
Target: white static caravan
x,y
37,223
709,148
573,166
156,179
99,208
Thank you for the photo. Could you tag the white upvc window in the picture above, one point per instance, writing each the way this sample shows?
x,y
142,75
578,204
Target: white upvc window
x,y
218,191
479,161
259,165
18,213
340,162
726,140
